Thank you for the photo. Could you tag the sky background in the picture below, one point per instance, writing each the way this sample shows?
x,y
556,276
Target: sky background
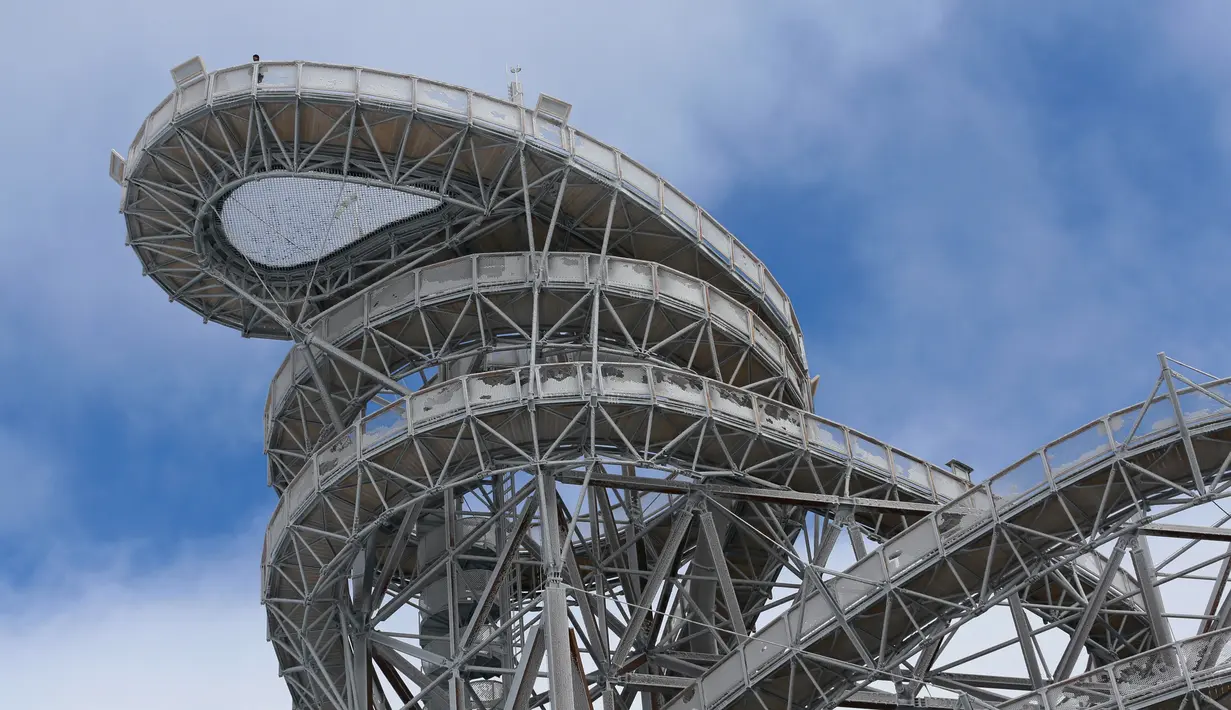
x,y
990,217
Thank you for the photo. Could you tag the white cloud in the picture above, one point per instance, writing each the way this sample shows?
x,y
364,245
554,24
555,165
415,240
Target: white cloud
x,y
988,313
92,626
1194,52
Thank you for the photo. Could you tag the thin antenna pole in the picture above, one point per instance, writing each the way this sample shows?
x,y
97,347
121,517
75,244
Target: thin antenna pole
x,y
515,92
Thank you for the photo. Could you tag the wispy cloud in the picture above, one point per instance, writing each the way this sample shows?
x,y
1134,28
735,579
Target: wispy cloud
x,y
31,478
1002,232
189,630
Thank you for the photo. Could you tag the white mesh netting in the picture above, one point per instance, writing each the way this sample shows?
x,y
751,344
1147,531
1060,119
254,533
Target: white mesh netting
x,y
291,221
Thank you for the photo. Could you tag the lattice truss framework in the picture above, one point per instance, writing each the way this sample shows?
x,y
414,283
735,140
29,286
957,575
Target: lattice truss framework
x,y
550,443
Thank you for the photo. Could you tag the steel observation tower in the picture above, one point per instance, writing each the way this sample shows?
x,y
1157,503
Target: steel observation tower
x,y
544,438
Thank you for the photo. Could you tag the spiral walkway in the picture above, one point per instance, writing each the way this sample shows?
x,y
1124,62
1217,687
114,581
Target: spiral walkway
x,y
544,436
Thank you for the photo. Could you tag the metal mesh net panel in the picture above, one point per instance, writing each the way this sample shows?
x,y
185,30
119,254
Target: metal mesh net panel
x,y
1147,674
488,692
291,221
1089,691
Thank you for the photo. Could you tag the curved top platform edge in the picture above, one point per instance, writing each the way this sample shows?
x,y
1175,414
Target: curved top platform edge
x,y
379,88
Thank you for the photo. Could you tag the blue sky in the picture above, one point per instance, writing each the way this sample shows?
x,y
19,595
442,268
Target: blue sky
x,y
989,218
